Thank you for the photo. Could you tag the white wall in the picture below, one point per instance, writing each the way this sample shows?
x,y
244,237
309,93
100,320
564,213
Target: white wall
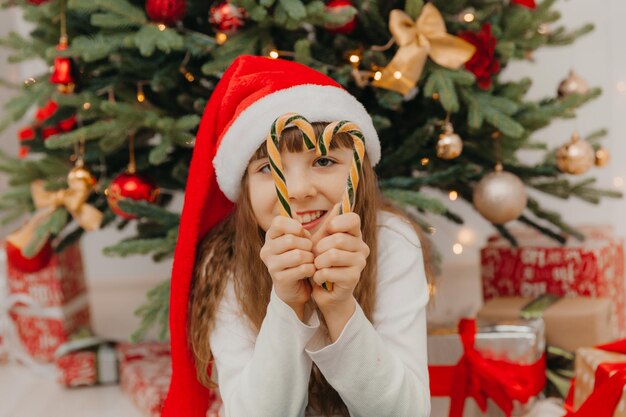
x,y
598,57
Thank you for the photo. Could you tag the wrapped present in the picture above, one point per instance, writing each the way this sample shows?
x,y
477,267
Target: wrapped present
x,y
145,373
570,322
539,265
42,330
60,281
501,366
599,389
85,362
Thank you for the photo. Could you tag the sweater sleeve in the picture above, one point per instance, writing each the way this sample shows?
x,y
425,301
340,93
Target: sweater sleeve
x,y
381,369
266,375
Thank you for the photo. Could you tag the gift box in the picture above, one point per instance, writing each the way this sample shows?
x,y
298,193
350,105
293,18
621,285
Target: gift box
x,y
501,366
85,362
539,265
570,323
60,281
41,330
145,373
599,388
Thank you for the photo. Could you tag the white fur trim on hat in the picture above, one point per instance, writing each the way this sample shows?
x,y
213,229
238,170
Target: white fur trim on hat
x,y
316,103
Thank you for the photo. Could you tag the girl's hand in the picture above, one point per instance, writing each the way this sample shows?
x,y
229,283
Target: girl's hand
x,y
340,257
289,260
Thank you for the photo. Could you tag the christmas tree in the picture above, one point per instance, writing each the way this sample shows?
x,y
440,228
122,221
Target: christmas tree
x,y
116,117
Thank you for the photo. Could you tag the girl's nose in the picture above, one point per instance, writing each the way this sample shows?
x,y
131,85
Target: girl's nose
x,y
300,187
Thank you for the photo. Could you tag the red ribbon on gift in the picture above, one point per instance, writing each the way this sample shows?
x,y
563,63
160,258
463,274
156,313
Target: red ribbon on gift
x,y
608,388
481,378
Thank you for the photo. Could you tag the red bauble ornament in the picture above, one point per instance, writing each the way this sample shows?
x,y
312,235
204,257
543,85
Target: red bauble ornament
x,y
334,6
34,264
227,18
133,186
166,11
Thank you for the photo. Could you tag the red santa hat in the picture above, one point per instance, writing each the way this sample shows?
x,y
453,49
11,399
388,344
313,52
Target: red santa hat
x,y
252,93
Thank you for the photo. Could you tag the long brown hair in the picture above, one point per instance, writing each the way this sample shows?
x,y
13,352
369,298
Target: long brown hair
x,y
235,246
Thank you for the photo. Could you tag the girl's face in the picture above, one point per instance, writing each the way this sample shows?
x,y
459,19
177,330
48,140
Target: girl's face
x,y
315,185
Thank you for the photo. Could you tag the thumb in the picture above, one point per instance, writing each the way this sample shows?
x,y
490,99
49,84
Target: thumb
x,y
322,232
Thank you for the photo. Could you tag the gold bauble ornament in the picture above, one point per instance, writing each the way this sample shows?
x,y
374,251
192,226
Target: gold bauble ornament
x,y
81,175
572,84
575,157
602,157
449,144
500,196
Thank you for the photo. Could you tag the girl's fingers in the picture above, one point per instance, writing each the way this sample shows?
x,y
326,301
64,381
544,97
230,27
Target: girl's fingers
x,y
343,277
345,223
289,259
282,225
343,241
285,243
295,274
339,258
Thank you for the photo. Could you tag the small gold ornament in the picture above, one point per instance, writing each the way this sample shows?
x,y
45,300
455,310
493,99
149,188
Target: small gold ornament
x,y
449,144
602,157
81,175
500,196
571,85
575,157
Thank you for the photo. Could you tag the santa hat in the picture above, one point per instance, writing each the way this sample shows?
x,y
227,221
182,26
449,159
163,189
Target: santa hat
x,y
252,93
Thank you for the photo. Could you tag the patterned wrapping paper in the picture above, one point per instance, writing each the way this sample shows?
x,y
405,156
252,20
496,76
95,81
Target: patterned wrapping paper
x,y
42,330
56,284
587,361
89,366
145,373
593,268
516,341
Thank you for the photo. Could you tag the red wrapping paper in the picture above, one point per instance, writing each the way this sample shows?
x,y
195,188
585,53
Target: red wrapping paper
x,y
77,369
593,268
56,284
145,373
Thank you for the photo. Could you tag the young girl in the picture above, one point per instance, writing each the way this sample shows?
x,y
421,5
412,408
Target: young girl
x,y
246,286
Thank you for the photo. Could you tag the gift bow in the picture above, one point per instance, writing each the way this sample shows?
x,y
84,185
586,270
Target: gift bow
x,y
418,40
610,380
481,378
74,199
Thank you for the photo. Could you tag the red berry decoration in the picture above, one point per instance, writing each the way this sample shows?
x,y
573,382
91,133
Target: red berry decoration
x,y
34,264
166,11
227,18
133,186
335,6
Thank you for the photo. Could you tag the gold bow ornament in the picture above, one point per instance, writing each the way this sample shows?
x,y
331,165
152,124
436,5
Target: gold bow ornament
x,y
74,199
426,37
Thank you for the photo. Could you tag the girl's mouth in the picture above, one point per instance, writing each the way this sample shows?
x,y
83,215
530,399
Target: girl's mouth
x,y
312,219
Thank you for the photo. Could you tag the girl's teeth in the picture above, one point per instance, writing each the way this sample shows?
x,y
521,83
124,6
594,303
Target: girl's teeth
x,y
309,217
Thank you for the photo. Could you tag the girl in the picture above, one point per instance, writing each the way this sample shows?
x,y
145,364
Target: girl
x,y
246,286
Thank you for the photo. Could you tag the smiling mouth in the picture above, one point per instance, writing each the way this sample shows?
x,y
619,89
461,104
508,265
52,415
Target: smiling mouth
x,y
310,218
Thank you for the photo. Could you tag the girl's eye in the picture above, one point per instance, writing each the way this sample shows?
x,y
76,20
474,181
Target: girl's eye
x,y
265,169
325,162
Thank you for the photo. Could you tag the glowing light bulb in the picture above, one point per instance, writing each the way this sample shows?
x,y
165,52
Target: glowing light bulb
x,y
220,38
274,54
378,75
397,75
161,27
86,105
469,17
457,248
453,195
355,59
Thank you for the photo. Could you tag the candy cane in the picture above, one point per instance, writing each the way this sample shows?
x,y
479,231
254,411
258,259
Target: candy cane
x,y
321,147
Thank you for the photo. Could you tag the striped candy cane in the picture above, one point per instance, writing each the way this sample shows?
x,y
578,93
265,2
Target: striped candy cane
x,y
321,147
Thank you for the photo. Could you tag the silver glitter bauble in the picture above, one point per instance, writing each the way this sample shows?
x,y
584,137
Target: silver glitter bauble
x,y
500,197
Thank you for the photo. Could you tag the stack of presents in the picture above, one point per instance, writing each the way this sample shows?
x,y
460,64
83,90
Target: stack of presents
x,y
45,325
552,325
